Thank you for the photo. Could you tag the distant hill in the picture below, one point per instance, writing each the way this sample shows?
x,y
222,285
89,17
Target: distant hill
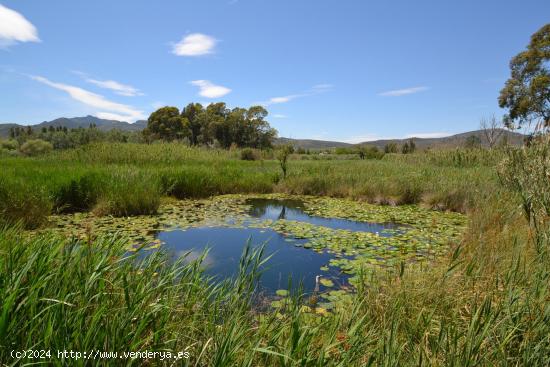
x,y
80,122
312,144
452,141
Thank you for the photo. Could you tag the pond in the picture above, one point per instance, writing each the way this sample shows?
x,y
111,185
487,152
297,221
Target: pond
x,y
338,239
289,258
294,210
225,246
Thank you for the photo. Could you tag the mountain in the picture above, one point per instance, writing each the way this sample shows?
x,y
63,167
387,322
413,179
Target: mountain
x,y
312,144
452,141
80,122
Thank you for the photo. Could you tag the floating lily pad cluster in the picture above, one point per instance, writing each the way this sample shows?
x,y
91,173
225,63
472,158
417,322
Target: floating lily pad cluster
x,y
422,234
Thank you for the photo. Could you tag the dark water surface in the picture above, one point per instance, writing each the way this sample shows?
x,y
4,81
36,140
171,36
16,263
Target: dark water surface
x,y
289,259
226,245
294,210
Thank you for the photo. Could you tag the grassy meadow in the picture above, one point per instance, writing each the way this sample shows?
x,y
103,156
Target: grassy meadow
x,y
484,303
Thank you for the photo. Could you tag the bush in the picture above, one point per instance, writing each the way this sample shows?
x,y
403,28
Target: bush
x,y
247,154
9,144
36,147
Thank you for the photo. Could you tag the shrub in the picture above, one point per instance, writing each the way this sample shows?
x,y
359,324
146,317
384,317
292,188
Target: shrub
x,y
410,194
247,154
35,147
9,144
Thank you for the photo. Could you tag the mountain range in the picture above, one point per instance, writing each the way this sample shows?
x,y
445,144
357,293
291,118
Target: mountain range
x,y
421,143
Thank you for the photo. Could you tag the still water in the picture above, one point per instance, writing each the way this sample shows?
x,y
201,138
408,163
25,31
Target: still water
x,y
289,259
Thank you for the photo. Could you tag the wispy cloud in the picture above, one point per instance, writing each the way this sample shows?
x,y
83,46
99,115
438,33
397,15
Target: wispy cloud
x,y
403,92
14,28
209,90
279,116
118,88
112,110
195,44
316,89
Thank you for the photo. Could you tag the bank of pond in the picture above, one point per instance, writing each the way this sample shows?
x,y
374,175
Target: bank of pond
x,y
318,245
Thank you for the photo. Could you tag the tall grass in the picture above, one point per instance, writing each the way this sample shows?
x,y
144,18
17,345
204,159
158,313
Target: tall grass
x,y
485,304
129,179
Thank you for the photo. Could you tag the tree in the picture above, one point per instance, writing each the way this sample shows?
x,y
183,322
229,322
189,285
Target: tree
x,y
527,93
408,147
491,130
192,112
390,148
282,157
166,123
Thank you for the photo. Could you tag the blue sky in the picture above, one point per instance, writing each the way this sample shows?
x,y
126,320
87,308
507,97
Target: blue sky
x,y
340,70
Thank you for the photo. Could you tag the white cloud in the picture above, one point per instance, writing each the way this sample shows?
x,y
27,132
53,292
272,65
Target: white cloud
x,y
210,90
279,116
114,110
276,100
316,89
15,28
195,44
403,92
118,88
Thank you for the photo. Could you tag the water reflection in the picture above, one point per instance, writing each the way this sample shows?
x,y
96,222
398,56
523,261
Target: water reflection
x,y
294,210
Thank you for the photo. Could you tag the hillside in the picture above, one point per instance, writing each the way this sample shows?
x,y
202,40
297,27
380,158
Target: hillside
x,y
311,143
448,141
421,143
80,122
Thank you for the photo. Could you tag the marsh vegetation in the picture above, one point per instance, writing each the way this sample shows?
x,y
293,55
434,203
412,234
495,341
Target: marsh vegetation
x,y
368,258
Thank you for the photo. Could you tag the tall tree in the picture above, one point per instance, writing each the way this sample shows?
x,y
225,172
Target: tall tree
x,y
166,123
527,93
192,112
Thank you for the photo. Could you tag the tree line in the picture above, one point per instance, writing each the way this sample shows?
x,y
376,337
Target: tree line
x,y
201,125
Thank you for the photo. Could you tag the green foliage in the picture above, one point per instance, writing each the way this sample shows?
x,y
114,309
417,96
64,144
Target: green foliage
x,y
363,151
370,152
282,156
9,144
194,113
247,154
390,148
35,147
409,147
200,181
527,93
525,171
166,123
79,193
215,123
129,193
23,201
